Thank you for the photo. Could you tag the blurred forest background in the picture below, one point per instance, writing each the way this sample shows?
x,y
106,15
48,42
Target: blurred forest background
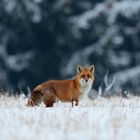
x,y
46,39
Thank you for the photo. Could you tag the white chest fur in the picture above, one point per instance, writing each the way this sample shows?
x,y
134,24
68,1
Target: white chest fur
x,y
85,89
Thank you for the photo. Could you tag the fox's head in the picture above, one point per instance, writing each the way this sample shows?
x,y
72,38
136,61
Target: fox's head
x,y
85,76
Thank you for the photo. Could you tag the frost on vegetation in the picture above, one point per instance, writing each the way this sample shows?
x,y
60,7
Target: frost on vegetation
x,y
131,75
16,62
21,8
114,118
111,10
127,8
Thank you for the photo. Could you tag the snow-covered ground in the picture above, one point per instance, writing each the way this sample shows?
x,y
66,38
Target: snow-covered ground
x,y
100,119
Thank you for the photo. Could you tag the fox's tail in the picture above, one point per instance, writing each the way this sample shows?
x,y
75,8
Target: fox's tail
x,y
35,99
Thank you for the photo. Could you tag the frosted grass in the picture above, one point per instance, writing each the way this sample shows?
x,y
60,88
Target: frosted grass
x,y
100,119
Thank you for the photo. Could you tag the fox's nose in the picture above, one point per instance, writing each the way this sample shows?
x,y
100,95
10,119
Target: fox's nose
x,y
86,80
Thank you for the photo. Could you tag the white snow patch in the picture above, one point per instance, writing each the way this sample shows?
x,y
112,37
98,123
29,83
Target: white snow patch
x,y
114,118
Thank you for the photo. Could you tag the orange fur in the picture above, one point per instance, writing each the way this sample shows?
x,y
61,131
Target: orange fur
x,y
65,90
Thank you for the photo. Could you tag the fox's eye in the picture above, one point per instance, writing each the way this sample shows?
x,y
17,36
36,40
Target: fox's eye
x,y
83,76
89,76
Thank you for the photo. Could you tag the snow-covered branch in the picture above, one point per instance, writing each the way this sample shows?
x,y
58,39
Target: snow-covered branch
x,y
108,85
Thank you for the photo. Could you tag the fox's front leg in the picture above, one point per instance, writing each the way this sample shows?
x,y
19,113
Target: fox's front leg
x,y
76,102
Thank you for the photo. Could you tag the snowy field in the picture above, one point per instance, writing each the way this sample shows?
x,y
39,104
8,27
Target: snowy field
x,y
100,119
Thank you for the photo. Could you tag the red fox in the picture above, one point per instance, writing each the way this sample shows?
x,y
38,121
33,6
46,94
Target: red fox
x,y
64,90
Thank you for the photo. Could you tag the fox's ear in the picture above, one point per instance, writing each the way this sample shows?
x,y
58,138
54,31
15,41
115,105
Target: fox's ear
x,y
91,68
79,68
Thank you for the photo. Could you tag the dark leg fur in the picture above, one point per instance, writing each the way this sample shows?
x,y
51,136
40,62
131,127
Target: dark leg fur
x,y
49,104
35,99
76,102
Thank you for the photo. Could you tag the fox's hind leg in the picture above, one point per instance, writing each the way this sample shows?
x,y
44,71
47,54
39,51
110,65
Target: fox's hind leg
x,y
49,103
49,99
35,99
